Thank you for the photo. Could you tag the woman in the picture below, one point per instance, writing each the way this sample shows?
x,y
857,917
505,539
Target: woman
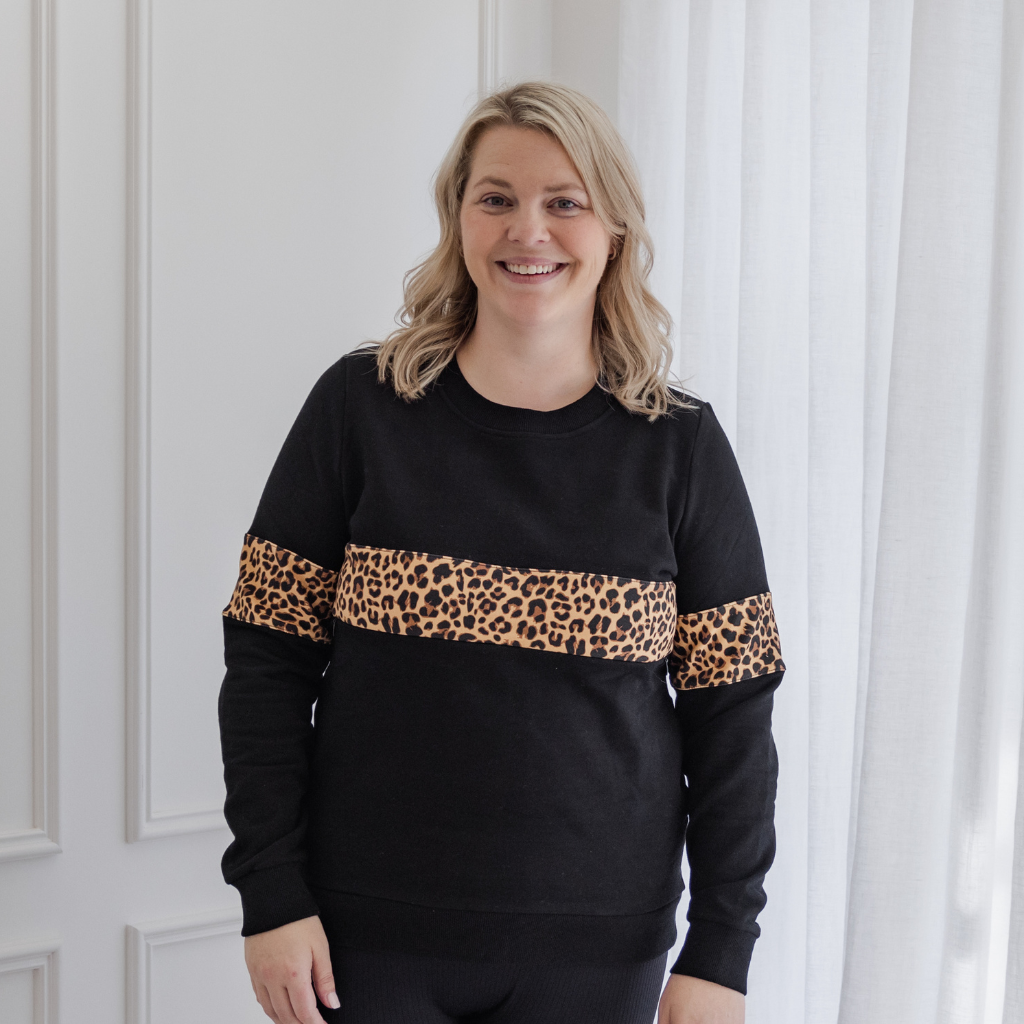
x,y
495,532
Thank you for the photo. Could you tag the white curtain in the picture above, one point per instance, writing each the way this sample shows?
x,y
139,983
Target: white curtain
x,y
836,191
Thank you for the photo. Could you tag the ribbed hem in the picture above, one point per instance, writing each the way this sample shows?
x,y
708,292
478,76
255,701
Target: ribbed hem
x,y
369,923
274,897
716,953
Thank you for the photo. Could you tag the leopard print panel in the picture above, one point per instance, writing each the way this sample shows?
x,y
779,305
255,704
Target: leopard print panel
x,y
726,644
456,599
277,588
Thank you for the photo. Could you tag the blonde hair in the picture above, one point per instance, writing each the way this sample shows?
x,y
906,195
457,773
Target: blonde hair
x,y
631,327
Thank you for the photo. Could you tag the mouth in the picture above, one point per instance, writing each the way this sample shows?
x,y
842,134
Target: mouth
x,y
531,271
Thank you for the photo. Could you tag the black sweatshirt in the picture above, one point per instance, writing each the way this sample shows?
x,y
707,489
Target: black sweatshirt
x,y
483,603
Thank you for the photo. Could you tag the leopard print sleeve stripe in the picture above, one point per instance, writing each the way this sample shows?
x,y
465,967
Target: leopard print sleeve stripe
x,y
726,644
279,589
545,609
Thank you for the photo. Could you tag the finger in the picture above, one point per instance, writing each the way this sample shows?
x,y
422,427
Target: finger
x,y
263,998
303,1003
323,975
283,1006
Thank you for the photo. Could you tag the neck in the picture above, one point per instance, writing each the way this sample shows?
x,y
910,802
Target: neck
x,y
529,366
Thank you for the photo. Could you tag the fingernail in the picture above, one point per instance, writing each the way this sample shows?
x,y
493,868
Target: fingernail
x,y
333,1001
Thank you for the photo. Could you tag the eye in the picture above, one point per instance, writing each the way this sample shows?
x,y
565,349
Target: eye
x,y
566,204
494,201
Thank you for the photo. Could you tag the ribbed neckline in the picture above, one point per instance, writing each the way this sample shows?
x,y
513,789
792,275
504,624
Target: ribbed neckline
x,y
485,413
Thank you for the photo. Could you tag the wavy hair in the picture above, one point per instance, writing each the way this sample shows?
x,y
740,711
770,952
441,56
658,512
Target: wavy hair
x,y
631,327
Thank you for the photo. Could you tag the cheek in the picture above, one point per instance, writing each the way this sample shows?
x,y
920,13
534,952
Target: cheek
x,y
590,247
476,240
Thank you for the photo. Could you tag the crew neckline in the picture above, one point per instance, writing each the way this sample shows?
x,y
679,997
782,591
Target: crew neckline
x,y
485,413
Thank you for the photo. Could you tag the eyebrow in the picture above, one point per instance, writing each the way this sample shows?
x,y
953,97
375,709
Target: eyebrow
x,y
564,186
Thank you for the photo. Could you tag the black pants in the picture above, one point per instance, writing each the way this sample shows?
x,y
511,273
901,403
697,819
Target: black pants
x,y
407,988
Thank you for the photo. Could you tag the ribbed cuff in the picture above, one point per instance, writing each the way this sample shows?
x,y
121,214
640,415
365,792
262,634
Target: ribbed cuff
x,y
274,897
716,953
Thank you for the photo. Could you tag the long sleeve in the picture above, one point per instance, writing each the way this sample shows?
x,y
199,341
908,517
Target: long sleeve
x,y
277,644
726,664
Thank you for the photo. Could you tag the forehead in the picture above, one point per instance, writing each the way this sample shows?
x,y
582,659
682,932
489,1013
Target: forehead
x,y
525,157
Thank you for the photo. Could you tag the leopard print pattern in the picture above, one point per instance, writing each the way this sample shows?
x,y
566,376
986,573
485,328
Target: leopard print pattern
x,y
279,589
726,644
456,599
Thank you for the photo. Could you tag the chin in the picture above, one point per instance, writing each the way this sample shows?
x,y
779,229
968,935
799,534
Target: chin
x,y
532,314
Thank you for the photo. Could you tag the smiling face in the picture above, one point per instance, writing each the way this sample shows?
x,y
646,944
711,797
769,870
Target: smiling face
x,y
532,242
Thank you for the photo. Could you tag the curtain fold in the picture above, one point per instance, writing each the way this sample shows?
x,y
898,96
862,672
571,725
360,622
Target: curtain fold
x,y
1002,508
834,188
839,53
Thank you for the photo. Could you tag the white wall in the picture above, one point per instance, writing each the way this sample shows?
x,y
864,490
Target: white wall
x,y
570,41
218,202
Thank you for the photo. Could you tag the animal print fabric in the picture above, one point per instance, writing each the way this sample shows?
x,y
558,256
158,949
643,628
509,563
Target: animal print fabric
x,y
726,644
545,609
279,589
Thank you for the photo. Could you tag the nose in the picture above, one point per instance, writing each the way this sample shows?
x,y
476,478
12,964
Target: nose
x,y
528,226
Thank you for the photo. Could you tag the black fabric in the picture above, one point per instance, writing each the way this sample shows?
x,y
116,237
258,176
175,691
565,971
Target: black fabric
x,y
265,711
521,781
367,922
475,783
382,988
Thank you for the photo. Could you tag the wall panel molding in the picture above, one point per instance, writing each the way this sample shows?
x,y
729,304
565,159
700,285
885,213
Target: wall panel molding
x,y
42,838
487,60
42,962
142,939
143,821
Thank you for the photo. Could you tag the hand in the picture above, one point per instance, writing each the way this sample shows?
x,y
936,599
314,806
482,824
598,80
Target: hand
x,y
689,1000
280,964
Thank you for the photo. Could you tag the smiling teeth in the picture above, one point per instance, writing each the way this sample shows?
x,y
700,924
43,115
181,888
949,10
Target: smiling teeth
x,y
532,268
